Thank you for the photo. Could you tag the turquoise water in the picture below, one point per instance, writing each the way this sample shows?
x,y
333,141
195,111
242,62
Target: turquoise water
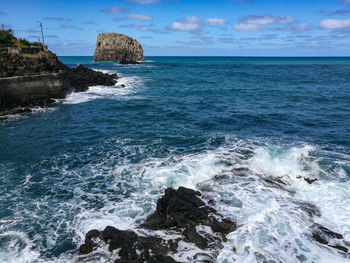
x,y
104,157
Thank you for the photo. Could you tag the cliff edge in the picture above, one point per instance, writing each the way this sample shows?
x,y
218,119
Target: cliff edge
x,y
31,80
117,47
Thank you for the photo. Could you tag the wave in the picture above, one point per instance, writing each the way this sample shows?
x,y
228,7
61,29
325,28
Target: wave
x,y
120,192
132,85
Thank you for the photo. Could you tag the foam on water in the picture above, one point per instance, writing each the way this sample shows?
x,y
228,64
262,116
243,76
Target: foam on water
x,y
269,219
132,85
293,163
19,248
271,223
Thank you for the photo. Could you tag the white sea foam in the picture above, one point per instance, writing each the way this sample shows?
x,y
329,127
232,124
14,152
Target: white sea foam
x,y
269,219
105,71
271,223
19,248
132,85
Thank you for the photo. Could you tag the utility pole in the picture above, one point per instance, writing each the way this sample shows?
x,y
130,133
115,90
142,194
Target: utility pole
x,y
3,28
42,33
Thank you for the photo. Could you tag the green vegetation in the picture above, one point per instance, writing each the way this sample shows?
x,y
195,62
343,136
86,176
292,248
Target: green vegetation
x,y
24,42
7,38
30,55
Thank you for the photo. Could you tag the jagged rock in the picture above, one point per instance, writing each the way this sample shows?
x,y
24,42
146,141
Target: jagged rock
x,y
310,181
183,208
15,111
127,62
132,247
118,47
81,78
330,238
192,235
17,65
182,212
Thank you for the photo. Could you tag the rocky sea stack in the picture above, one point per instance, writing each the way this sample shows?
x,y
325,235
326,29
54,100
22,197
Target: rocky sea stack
x,y
118,47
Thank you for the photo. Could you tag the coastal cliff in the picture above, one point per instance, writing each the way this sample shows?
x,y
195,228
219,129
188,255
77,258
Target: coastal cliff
x,y
37,79
117,47
12,64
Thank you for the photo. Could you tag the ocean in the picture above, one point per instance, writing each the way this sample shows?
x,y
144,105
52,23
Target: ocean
x,y
104,157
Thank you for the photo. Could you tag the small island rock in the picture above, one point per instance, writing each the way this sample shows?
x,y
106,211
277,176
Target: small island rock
x,y
118,47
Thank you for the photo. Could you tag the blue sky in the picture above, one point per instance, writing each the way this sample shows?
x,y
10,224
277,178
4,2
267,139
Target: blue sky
x,y
189,28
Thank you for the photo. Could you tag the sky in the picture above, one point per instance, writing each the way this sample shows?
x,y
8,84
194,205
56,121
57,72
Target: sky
x,y
188,27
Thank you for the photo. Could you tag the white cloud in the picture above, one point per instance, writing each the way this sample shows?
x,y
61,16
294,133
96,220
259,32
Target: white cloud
x,y
184,26
215,21
192,20
144,1
335,23
113,10
247,27
301,27
256,23
346,2
140,17
190,23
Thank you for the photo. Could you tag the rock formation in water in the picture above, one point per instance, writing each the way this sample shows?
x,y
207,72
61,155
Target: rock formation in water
x,y
330,238
81,78
118,47
38,79
180,211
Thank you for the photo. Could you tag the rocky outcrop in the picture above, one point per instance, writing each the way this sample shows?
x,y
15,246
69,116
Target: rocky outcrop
x,y
17,65
180,211
183,208
127,62
329,238
81,78
39,79
117,47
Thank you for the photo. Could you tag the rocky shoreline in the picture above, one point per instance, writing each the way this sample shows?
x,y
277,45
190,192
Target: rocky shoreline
x,y
26,82
184,221
182,212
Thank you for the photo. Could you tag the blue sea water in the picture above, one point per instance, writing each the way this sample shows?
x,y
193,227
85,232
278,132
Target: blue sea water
x,y
104,157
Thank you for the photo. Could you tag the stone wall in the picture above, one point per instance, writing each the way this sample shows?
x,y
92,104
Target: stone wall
x,y
34,90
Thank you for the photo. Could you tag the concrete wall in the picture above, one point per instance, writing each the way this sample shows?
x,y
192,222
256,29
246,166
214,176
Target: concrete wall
x,y
35,90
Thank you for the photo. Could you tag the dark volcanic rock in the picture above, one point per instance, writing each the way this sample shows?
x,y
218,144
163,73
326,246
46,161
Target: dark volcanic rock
x,y
132,247
180,211
14,111
192,235
329,238
17,65
183,208
127,62
81,78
